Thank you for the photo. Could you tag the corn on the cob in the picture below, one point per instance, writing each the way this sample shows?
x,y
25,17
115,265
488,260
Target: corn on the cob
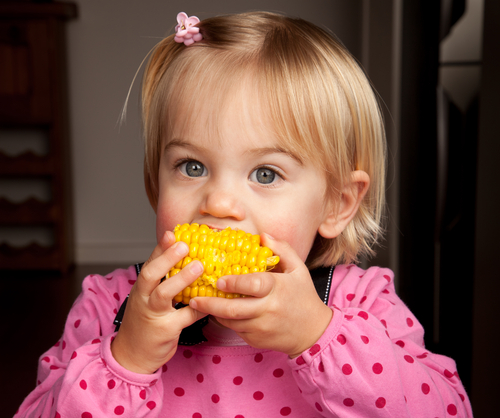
x,y
222,252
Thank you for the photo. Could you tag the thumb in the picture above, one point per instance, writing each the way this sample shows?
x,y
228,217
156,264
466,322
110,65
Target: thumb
x,y
289,259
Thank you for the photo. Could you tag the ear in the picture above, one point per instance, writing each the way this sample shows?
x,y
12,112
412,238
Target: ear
x,y
339,216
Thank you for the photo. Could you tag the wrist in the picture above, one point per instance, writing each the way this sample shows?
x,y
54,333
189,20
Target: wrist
x,y
322,320
127,360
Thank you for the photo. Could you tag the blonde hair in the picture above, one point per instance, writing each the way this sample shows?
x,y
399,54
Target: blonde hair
x,y
318,98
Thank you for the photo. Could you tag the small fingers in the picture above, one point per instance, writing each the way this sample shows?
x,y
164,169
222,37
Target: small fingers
x,y
240,308
156,268
255,284
163,294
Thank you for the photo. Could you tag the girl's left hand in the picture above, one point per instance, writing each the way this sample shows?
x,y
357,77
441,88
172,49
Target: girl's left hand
x,y
285,313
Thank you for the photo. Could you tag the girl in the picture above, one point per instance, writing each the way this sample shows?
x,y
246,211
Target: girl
x,y
265,124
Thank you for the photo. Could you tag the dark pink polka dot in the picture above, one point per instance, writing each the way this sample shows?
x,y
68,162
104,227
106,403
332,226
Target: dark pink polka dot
x,y
448,374
142,394
400,343
239,416
119,410
462,397
132,282
57,415
350,297
46,359
86,415
377,368
197,415
104,362
92,290
409,359
57,344
64,345
318,407
258,396
73,355
362,299
278,373
350,266
363,315
380,402
179,391
216,359
96,341
384,323
347,369
258,357
151,404
385,291
115,311
341,339
388,278
348,317
187,353
321,367
409,322
386,333
452,409
421,356
285,411
111,384
238,380
365,339
83,384
54,367
300,360
314,349
425,388
200,378
116,296
109,278
215,398
153,382
164,368
348,402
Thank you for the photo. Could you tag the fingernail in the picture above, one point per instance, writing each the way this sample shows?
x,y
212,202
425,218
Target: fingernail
x,y
196,267
269,236
181,248
221,284
193,304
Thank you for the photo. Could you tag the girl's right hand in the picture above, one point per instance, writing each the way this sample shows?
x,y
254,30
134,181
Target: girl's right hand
x,y
151,326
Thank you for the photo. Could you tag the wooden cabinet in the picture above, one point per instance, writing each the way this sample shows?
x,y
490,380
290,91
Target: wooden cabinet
x,y
33,97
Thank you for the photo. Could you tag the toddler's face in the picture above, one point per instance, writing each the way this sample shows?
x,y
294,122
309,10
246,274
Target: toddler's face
x,y
238,176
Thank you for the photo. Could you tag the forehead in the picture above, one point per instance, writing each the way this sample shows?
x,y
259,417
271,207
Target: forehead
x,y
220,113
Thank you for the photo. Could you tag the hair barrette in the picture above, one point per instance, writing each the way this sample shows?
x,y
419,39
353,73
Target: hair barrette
x,y
186,31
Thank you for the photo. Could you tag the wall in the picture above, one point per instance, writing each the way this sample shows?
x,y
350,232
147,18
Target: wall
x,y
106,44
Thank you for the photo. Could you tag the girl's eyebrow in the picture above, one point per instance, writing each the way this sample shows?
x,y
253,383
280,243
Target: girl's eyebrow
x,y
177,142
275,150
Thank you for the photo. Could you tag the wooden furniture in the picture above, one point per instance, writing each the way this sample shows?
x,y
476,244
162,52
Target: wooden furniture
x,y
33,97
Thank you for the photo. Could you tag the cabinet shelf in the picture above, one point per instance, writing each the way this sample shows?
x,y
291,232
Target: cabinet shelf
x,y
24,258
26,164
29,212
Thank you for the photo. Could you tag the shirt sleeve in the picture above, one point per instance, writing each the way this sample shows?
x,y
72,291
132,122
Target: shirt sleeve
x,y
371,360
78,376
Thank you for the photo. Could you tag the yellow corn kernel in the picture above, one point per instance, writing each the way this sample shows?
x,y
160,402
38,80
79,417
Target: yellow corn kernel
x,y
222,252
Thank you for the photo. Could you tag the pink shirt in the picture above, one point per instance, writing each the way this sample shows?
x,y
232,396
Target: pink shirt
x,y
370,362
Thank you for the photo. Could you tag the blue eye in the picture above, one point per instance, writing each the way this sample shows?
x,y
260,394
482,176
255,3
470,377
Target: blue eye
x,y
264,175
193,168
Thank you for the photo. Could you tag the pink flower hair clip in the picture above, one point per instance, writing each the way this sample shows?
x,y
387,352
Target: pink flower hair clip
x,y
186,31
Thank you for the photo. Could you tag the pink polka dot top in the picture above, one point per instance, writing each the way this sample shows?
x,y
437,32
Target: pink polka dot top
x,y
370,362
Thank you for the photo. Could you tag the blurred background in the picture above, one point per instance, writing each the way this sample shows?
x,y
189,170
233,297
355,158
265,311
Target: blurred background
x,y
72,200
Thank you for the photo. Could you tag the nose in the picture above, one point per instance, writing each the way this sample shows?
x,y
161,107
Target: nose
x,y
223,201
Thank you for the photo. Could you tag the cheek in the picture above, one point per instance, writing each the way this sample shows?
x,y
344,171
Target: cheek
x,y
299,236
167,217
